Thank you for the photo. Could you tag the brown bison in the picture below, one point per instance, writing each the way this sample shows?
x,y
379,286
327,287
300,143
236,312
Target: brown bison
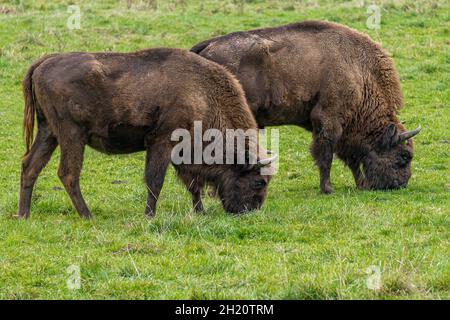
x,y
130,102
331,80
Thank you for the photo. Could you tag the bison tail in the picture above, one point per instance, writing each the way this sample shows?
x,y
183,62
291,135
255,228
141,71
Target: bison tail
x,y
29,110
29,113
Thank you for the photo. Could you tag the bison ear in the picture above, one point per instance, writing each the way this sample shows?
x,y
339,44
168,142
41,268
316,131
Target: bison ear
x,y
390,137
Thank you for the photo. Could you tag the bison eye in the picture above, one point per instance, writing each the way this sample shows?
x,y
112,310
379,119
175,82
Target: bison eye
x,y
259,184
406,157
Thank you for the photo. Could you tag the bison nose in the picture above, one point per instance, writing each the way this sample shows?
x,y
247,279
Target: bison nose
x,y
399,185
249,207
403,185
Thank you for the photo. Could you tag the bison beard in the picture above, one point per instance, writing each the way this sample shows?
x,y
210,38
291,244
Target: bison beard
x,y
124,103
328,79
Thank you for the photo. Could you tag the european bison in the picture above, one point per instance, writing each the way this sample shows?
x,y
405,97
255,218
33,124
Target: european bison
x,y
331,80
129,102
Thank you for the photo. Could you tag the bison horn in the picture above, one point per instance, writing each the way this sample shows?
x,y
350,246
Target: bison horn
x,y
265,162
409,134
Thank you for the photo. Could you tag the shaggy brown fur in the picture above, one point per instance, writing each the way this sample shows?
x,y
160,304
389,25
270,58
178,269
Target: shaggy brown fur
x,y
331,80
123,103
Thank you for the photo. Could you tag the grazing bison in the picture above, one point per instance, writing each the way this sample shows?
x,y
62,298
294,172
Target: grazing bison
x,y
331,80
124,103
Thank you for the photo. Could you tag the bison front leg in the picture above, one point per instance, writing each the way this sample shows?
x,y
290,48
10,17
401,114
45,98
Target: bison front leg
x,y
156,163
322,152
357,174
326,133
72,145
194,187
197,201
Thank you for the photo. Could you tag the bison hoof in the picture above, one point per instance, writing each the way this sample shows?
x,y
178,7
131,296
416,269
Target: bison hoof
x,y
361,187
22,216
326,189
149,215
199,210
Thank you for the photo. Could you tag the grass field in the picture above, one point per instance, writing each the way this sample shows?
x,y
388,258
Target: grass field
x,y
301,245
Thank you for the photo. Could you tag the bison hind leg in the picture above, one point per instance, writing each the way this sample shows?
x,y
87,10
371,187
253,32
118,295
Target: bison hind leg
x,y
32,165
72,141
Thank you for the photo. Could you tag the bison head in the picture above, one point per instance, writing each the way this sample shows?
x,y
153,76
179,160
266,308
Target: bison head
x,y
244,188
388,165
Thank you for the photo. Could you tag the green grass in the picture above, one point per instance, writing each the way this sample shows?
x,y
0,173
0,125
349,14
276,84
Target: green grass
x,y
301,245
